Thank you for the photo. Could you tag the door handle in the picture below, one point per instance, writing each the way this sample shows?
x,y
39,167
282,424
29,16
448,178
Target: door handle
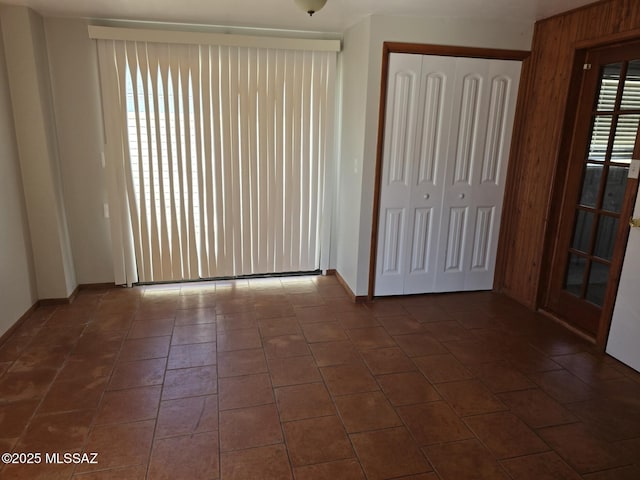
x,y
461,196
426,196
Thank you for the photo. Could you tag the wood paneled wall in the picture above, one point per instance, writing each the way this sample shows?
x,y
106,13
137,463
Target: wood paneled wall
x,y
542,119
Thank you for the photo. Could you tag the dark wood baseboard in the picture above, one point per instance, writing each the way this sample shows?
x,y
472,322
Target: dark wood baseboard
x,y
59,301
354,298
97,286
47,302
6,335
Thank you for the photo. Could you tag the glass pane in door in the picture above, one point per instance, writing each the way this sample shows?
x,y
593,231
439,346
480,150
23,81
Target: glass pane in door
x,y
615,188
582,231
609,80
600,137
575,274
606,237
597,286
625,138
631,94
591,185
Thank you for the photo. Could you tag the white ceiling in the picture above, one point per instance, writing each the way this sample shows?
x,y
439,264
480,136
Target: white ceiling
x,y
336,16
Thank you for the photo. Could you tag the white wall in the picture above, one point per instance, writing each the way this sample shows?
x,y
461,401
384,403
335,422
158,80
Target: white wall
x,y
28,78
354,241
353,61
17,280
76,93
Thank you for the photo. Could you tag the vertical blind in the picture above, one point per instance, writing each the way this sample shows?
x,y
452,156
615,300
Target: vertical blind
x,y
217,158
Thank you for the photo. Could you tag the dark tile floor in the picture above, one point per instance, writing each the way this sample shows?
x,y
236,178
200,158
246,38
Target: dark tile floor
x,y
283,378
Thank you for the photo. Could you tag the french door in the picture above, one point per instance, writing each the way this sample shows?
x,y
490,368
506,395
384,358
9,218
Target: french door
x,y
598,195
446,144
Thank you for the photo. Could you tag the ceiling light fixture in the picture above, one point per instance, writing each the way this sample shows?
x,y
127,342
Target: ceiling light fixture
x,y
310,6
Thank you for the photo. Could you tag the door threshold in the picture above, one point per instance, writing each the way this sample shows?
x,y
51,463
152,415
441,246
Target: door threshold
x,y
582,334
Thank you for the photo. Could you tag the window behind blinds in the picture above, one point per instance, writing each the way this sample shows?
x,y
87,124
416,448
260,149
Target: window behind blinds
x,y
219,157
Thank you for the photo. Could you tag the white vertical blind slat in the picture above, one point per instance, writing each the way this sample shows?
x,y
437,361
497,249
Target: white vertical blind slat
x,y
158,53
315,134
275,183
200,253
162,233
306,158
253,157
326,170
127,60
207,136
178,56
188,169
112,98
234,162
226,158
287,172
172,235
176,53
244,159
296,156
262,160
150,220
222,259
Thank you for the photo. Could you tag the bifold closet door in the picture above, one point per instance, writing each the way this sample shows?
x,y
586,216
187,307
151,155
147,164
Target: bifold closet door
x,y
447,135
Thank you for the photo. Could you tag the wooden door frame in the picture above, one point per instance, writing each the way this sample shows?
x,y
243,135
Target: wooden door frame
x,y
418,49
560,179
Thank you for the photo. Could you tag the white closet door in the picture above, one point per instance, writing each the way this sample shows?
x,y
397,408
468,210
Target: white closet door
x,y
418,114
399,144
447,135
485,93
